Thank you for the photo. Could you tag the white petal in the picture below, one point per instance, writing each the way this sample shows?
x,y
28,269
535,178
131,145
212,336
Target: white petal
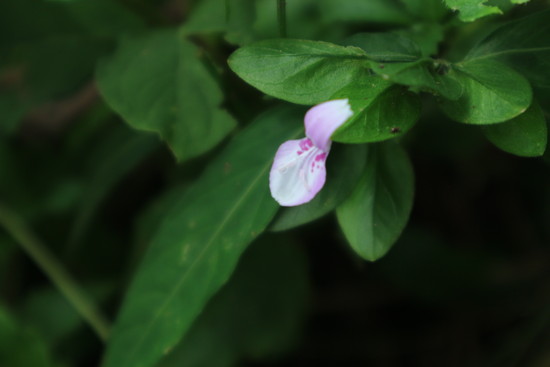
x,y
298,172
322,121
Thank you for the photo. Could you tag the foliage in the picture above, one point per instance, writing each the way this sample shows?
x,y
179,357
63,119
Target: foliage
x,y
136,141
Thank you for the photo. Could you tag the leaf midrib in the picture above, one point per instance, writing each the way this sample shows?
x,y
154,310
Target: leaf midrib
x,y
200,255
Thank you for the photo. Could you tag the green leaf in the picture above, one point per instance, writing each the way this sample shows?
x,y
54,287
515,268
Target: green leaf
x,y
258,313
344,167
299,71
470,10
492,93
199,243
523,44
524,135
376,212
19,345
157,83
381,112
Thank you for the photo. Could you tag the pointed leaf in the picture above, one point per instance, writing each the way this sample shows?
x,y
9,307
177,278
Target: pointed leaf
x,y
376,212
157,83
199,243
299,71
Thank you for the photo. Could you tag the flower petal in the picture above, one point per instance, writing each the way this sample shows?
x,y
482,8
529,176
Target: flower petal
x,y
322,120
298,172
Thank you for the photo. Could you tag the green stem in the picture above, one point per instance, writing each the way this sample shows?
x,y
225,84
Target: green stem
x,y
281,17
22,234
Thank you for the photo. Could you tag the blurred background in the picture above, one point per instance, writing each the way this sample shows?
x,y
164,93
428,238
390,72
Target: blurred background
x,y
81,192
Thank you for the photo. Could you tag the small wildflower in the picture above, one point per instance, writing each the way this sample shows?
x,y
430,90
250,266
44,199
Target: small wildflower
x,y
298,172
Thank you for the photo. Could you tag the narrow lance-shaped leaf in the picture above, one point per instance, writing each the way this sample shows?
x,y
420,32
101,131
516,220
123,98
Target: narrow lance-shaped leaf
x,y
199,242
299,71
492,93
157,83
524,135
376,212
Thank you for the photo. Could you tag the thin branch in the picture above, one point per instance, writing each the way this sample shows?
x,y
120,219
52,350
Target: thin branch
x,y
16,227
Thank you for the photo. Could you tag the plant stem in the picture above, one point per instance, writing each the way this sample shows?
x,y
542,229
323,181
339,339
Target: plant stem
x,y
16,227
281,17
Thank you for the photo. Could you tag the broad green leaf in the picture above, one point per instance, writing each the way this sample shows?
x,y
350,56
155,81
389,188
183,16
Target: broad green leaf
x,y
199,243
344,167
299,71
524,135
374,215
381,112
470,10
360,11
492,93
523,44
256,315
157,83
19,345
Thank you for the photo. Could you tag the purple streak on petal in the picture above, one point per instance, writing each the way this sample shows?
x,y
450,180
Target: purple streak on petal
x,y
296,178
322,120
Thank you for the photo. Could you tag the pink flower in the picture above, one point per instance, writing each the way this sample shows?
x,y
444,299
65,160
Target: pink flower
x,y
298,172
